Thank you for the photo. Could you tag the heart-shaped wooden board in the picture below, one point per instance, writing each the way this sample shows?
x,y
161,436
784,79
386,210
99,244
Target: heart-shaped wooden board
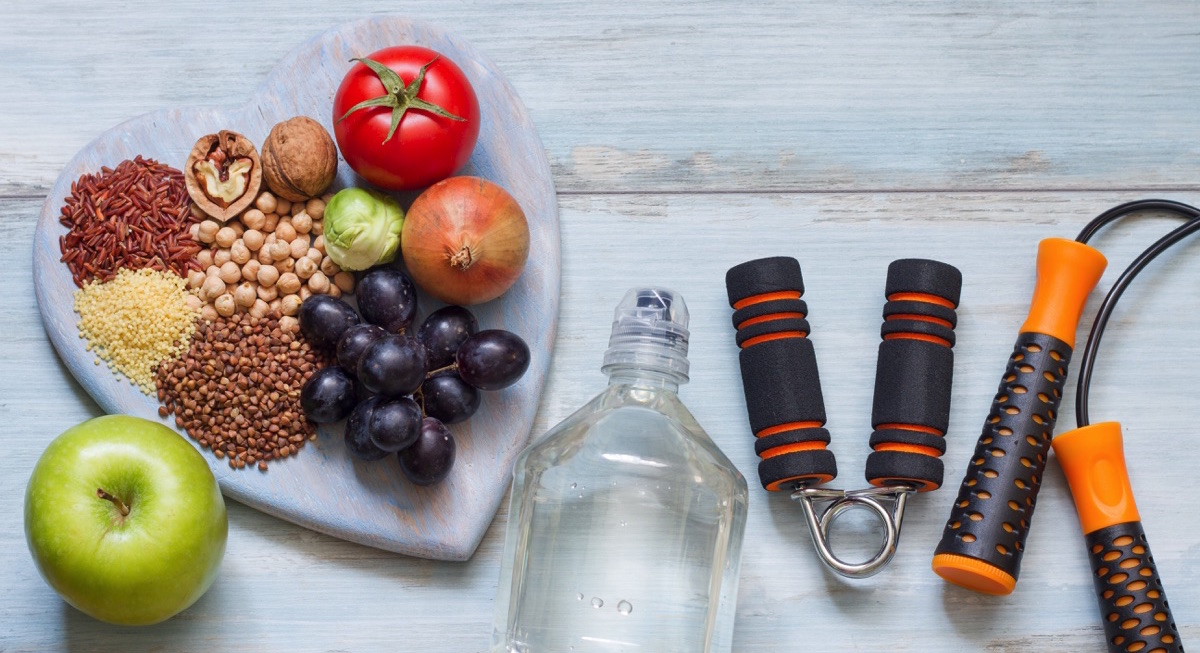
x,y
322,487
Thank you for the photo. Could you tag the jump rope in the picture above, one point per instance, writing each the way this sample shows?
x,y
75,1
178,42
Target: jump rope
x,y
984,538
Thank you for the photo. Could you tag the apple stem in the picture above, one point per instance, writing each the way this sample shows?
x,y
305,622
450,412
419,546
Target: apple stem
x,y
116,502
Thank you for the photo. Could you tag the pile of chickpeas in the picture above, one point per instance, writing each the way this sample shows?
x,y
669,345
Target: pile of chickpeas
x,y
267,260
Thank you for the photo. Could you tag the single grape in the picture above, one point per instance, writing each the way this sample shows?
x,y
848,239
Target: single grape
x,y
395,424
449,398
492,359
354,342
444,331
358,436
323,319
429,459
388,298
393,366
328,395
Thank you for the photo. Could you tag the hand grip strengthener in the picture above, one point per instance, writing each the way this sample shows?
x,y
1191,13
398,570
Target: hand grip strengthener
x,y
911,405
983,541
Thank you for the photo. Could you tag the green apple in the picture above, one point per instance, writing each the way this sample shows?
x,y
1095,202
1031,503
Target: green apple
x,y
125,521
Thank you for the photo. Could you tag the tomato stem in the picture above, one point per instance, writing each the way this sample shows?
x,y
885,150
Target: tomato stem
x,y
399,97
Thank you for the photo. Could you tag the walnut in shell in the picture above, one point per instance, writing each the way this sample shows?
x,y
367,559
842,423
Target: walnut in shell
x,y
299,159
223,174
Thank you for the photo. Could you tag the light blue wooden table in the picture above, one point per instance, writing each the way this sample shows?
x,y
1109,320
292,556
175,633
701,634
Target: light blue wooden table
x,y
685,138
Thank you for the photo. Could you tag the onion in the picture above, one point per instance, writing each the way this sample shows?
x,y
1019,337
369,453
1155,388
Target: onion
x,y
465,240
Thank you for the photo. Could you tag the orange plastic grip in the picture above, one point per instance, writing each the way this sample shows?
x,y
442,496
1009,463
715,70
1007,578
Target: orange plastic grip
x,y
1066,272
1094,461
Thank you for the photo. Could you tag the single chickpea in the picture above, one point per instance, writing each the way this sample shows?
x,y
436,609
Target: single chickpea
x,y
318,227
254,219
289,324
296,208
212,271
315,208
270,239
344,280
267,293
329,267
195,279
193,302
194,231
239,253
225,305
286,265
318,283
315,254
207,231
304,268
245,295
259,309
304,293
271,223
280,251
268,275
221,257
298,248
265,202
225,237
334,291
264,256
326,197
302,223
290,305
250,270
230,287
237,227
230,272
282,206
318,244
274,305
208,313
205,258
288,283
253,239
285,232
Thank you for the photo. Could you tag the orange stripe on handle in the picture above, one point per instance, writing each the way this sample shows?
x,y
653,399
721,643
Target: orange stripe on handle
x,y
920,318
791,448
788,426
908,448
905,336
768,337
909,427
766,297
920,297
767,318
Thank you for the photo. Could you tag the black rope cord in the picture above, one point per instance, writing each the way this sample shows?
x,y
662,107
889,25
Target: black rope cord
x,y
1110,300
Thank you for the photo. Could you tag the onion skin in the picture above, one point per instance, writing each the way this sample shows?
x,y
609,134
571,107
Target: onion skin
x,y
465,240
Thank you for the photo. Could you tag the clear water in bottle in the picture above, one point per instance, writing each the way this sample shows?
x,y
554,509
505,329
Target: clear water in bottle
x,y
626,520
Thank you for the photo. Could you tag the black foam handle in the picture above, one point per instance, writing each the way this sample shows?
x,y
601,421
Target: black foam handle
x,y
779,373
991,517
913,374
1133,605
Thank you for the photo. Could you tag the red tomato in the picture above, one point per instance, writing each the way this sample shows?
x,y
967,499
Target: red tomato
x,y
426,147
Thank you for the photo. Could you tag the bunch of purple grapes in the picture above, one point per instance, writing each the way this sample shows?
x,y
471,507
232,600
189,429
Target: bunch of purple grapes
x,y
396,391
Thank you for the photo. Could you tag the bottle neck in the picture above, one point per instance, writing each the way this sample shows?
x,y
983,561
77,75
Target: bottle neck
x,y
640,377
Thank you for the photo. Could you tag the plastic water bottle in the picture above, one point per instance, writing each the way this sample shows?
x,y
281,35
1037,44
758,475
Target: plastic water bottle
x,y
626,520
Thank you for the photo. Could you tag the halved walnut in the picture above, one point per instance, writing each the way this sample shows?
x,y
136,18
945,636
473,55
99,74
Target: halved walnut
x,y
223,174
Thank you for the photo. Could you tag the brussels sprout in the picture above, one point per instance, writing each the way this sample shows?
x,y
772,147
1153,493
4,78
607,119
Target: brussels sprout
x,y
362,228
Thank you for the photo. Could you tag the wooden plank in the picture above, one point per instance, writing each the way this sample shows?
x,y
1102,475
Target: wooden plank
x,y
283,587
325,488
779,95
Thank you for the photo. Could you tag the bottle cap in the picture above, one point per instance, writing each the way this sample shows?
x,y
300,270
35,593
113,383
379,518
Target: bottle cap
x,y
650,332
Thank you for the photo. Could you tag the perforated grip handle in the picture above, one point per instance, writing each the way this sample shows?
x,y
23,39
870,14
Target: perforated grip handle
x,y
984,539
779,373
1133,605
913,374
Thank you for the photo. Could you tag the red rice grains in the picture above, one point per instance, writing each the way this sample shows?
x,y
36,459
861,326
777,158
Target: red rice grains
x,y
135,216
237,389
